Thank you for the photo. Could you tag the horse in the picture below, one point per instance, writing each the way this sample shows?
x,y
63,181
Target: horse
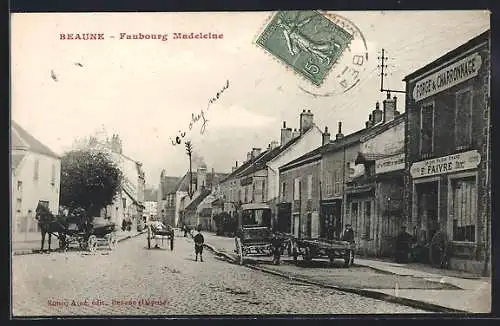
x,y
48,224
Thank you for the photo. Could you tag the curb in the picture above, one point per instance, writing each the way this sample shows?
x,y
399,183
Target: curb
x,y
365,293
22,252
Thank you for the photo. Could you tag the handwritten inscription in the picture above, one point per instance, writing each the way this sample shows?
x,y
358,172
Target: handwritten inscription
x,y
199,116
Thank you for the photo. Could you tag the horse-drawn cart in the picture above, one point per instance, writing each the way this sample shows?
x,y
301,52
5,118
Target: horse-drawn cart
x,y
159,231
89,236
319,248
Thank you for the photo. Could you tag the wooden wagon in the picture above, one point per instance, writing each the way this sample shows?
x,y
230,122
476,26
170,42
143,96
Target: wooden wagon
x,y
323,248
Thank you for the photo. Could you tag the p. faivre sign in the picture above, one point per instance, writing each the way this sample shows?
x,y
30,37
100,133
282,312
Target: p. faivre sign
x,y
446,164
447,77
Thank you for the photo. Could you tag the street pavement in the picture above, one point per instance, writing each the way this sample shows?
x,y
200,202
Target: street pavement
x,y
132,280
424,286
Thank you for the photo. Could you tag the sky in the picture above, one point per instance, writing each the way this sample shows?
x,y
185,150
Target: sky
x,y
147,90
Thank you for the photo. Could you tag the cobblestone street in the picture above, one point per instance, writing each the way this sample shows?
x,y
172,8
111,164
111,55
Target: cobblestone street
x,y
135,281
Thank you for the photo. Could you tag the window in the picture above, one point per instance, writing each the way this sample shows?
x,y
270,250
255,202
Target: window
x,y
20,187
329,184
309,186
53,175
354,215
337,182
464,209
427,130
296,189
37,168
19,205
253,192
463,119
263,190
246,195
124,202
283,191
367,219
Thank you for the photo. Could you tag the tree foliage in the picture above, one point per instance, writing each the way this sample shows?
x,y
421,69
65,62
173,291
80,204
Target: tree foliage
x,y
89,180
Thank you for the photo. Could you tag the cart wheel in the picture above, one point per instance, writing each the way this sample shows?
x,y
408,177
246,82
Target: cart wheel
x,y
239,251
349,258
112,242
172,242
92,243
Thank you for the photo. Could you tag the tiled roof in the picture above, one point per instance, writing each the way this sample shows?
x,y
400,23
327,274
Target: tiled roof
x,y
34,145
243,167
169,185
194,204
332,146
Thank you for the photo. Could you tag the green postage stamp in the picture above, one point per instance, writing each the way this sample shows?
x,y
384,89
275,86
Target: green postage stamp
x,y
307,41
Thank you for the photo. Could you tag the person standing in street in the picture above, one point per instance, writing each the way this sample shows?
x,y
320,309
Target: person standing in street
x,y
199,240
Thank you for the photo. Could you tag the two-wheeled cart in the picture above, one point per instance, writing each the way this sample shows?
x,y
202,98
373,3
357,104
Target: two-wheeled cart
x,y
323,248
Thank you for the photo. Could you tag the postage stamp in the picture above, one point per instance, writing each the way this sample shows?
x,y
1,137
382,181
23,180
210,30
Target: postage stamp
x,y
306,41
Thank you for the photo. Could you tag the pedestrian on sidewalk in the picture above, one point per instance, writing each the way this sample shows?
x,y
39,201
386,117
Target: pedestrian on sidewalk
x,y
348,234
199,240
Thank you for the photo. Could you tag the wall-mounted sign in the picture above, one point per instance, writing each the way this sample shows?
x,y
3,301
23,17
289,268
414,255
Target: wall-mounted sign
x,y
447,77
388,164
446,164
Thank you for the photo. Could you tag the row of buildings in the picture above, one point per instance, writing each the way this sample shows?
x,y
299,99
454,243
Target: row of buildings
x,y
36,178
427,168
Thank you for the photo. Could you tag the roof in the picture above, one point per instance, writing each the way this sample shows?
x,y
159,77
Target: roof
x,y
380,128
16,159
20,136
169,184
195,202
332,146
451,54
243,167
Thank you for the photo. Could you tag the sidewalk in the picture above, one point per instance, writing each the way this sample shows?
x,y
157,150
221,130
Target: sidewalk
x,y
29,243
408,283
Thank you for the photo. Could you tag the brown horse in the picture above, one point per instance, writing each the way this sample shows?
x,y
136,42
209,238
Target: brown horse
x,y
45,219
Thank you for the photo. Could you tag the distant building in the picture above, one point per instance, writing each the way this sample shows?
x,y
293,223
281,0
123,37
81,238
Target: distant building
x,y
168,199
36,177
150,204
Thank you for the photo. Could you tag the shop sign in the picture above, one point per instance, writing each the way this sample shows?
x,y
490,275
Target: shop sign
x,y
447,164
388,164
447,77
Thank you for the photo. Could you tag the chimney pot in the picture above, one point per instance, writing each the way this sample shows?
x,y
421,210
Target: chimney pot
x,y
340,127
284,124
377,105
308,111
236,164
303,111
388,95
326,129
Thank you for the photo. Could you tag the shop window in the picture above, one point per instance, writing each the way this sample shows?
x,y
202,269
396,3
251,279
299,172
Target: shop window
x,y
309,186
464,209
463,119
427,130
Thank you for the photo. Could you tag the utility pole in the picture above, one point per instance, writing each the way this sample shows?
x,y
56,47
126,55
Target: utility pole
x,y
383,73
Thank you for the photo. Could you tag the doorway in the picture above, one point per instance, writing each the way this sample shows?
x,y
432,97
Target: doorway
x,y
331,220
427,219
285,217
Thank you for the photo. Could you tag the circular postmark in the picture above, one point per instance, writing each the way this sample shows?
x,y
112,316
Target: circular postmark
x,y
349,68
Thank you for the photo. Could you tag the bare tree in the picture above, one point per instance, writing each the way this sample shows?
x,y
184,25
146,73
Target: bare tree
x,y
189,152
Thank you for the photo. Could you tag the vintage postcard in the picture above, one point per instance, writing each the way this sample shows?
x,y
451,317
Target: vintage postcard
x,y
250,163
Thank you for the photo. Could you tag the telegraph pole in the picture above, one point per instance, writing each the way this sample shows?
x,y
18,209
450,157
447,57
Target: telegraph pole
x,y
383,73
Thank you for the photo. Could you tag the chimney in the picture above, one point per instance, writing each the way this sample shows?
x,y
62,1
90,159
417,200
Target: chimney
x,y
255,152
249,156
286,134
377,114
201,177
236,164
274,144
389,108
116,144
396,112
339,135
326,137
295,133
306,121
369,123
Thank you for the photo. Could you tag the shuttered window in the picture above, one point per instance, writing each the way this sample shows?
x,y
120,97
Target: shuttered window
x,y
463,119
427,130
464,209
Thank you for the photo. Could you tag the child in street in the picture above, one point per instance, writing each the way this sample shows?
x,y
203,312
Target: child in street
x,y
199,240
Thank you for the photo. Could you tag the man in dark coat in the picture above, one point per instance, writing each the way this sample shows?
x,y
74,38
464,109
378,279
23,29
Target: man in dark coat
x,y
403,243
348,234
199,240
